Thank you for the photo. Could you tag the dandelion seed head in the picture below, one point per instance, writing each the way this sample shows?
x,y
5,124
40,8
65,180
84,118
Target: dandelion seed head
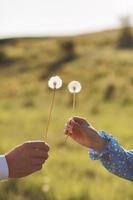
x,y
74,87
55,82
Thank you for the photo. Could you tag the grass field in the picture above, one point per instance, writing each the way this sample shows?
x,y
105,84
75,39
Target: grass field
x,y
106,100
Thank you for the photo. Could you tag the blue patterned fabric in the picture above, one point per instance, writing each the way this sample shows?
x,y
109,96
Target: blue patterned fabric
x,y
114,157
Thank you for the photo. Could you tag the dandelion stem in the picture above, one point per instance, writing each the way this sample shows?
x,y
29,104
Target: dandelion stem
x,y
74,106
50,114
74,102
66,138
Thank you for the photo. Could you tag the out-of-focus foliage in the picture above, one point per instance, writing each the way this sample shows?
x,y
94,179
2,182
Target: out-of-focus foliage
x,y
106,100
125,40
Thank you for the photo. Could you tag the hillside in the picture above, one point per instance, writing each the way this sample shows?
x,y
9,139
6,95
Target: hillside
x,y
106,100
97,63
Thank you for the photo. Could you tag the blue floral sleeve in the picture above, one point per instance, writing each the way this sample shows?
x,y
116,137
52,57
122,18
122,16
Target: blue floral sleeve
x,y
115,158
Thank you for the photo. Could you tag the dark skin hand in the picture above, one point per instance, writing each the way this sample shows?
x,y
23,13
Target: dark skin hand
x,y
27,158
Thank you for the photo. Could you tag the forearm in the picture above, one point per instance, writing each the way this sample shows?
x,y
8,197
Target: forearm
x,y
115,158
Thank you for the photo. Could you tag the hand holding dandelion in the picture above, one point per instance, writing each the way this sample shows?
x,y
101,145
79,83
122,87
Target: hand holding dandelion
x,y
54,83
74,87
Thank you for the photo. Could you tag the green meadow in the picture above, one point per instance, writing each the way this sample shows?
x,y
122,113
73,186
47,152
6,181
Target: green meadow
x,y
106,100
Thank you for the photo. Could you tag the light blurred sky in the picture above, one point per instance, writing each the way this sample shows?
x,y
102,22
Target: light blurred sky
x,y
60,17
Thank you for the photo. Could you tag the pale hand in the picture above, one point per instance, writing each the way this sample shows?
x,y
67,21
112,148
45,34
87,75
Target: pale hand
x,y
83,133
26,158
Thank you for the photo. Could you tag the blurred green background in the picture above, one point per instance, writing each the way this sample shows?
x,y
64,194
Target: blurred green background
x,y
106,100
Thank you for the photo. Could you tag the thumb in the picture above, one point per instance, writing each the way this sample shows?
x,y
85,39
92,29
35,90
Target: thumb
x,y
80,120
76,129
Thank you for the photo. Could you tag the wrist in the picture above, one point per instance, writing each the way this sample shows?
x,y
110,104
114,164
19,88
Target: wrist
x,y
100,144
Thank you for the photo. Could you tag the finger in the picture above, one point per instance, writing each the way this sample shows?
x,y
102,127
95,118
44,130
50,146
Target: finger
x,y
66,129
68,126
36,168
38,145
39,154
75,129
68,122
68,133
80,120
69,129
37,161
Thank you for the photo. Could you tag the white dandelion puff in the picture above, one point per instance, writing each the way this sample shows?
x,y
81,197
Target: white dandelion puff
x,y
74,87
55,82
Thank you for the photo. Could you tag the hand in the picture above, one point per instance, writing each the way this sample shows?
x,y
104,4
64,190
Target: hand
x,y
83,133
27,158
